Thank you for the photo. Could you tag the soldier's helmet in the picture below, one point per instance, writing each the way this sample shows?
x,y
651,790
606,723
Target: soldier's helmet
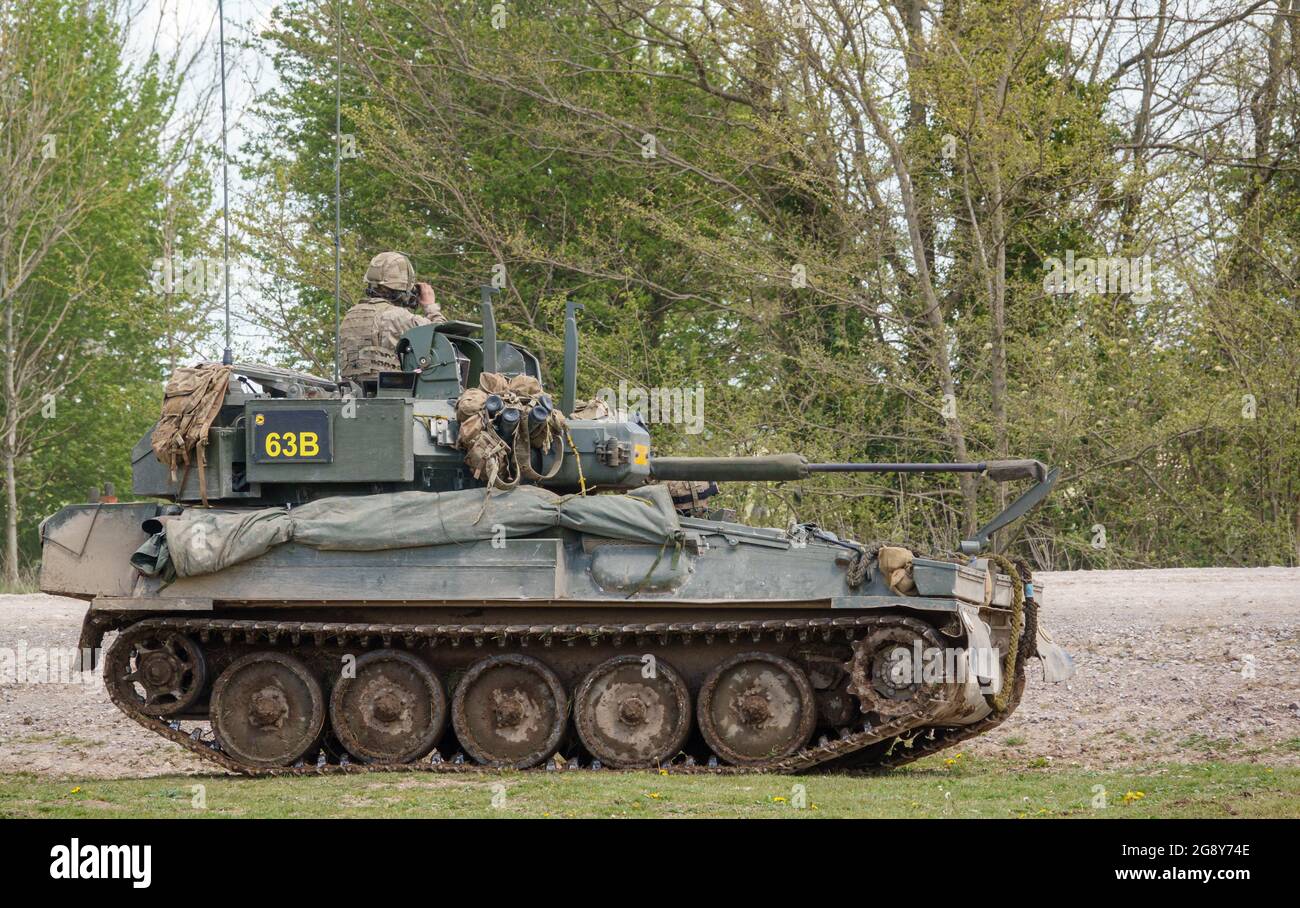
x,y
392,270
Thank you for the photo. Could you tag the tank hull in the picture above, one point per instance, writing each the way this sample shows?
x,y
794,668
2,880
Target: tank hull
x,y
764,652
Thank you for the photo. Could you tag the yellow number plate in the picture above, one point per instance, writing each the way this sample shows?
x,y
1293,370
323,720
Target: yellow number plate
x,y
291,436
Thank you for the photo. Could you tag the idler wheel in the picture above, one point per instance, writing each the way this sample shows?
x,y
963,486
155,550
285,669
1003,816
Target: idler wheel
x,y
267,709
393,710
627,720
158,672
887,676
509,711
756,707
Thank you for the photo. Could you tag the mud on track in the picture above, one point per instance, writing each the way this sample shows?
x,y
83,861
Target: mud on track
x,y
1160,654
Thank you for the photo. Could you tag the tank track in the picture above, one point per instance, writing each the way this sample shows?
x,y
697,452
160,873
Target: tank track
x,y
857,746
909,750
904,748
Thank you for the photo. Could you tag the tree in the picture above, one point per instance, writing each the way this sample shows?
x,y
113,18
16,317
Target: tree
x,y
85,166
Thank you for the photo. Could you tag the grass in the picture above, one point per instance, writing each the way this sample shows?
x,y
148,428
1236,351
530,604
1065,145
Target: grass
x,y
27,582
937,787
1211,746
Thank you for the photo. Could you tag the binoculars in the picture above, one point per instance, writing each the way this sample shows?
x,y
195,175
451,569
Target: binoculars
x,y
506,420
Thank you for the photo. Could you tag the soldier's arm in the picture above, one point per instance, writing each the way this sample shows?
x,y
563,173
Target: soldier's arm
x,y
429,305
404,320
396,321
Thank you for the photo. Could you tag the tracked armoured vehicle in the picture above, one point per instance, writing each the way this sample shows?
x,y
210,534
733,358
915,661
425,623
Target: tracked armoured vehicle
x,y
443,568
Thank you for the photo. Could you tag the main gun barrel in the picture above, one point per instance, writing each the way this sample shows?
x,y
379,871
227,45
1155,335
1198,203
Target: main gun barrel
x,y
896,467
773,468
790,467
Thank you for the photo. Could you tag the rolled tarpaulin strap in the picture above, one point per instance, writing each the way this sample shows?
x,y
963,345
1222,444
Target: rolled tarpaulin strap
x,y
773,468
1008,470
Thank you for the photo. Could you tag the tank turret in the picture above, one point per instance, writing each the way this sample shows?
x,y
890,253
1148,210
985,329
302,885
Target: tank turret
x,y
403,431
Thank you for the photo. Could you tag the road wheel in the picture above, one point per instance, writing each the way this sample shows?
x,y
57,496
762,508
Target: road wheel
x,y
392,711
267,709
632,713
509,711
756,707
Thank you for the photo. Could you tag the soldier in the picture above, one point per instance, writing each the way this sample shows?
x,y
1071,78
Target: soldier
x,y
690,497
370,330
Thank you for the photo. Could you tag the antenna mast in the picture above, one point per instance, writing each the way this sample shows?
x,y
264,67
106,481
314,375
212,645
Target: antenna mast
x,y
227,357
338,139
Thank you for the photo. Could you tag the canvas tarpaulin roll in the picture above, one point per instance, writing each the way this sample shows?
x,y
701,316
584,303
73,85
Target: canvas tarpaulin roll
x,y
643,515
203,541
406,519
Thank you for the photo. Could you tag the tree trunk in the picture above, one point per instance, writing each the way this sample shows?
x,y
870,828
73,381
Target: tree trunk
x,y
998,338
11,514
11,437
1296,522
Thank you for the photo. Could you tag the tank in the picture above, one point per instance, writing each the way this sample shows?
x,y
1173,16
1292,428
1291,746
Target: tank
x,y
352,583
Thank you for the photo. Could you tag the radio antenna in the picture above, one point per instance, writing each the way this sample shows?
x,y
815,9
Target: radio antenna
x,y
227,357
338,140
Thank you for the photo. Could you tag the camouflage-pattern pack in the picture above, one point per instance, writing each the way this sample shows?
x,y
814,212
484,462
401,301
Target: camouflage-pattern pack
x,y
191,402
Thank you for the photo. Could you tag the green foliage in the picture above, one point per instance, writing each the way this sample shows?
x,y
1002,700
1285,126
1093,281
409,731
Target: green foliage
x,y
524,145
726,196
98,384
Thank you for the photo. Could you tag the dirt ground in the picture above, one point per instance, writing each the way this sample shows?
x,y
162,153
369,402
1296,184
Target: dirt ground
x,y
1183,665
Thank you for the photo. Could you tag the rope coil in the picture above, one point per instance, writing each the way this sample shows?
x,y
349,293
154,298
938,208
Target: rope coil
x,y
1002,700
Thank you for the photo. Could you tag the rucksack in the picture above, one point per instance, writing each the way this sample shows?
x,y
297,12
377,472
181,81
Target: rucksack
x,y
191,402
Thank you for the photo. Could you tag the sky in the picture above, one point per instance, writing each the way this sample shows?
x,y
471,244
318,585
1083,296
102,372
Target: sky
x,y
191,26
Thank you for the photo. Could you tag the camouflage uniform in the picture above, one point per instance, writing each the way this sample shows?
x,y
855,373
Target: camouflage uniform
x,y
691,496
370,330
